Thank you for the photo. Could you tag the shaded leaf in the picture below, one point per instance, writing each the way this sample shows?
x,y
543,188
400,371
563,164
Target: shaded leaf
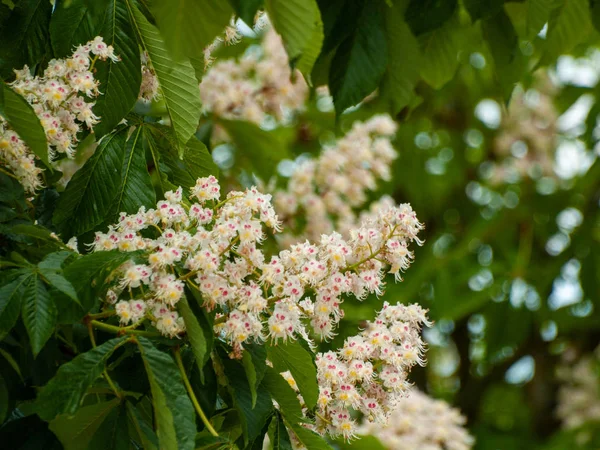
x,y
174,413
254,362
283,394
74,23
63,393
10,304
38,312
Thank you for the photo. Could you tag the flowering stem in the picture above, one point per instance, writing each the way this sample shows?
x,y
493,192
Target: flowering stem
x,y
188,386
322,418
101,315
122,330
5,172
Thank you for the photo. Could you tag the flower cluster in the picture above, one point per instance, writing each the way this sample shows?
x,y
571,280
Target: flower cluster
x,y
579,394
420,422
214,247
369,373
257,85
149,86
330,187
60,98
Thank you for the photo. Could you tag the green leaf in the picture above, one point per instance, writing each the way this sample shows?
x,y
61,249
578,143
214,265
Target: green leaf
x,y
10,304
482,9
404,56
295,358
20,116
439,50
247,9
12,363
76,432
24,36
177,81
254,362
113,434
281,437
568,27
360,61
362,443
427,15
55,260
301,29
253,418
174,413
143,428
309,438
262,149
538,13
283,394
74,23
194,333
509,62
210,442
89,272
136,185
119,81
188,26
38,312
89,195
60,283
63,393
3,399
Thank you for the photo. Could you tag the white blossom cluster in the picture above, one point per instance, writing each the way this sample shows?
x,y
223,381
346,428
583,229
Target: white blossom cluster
x,y
369,373
149,85
60,99
421,422
329,188
579,394
215,247
258,85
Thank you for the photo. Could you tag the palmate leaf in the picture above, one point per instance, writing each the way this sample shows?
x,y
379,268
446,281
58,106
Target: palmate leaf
x,y
281,437
119,81
64,392
177,81
136,185
190,25
20,116
89,195
38,311
283,394
10,304
194,333
404,61
300,26
254,362
360,61
173,410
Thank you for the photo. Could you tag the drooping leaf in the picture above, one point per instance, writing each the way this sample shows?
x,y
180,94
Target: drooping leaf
x,y
188,26
59,282
74,23
439,50
538,13
63,393
283,394
404,60
119,81
362,443
136,188
360,61
10,304
281,437
86,201
247,9
254,362
174,413
145,433
568,26
77,431
252,419
113,434
261,148
300,26
24,36
21,117
427,15
294,357
309,438
38,312
177,81
194,333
